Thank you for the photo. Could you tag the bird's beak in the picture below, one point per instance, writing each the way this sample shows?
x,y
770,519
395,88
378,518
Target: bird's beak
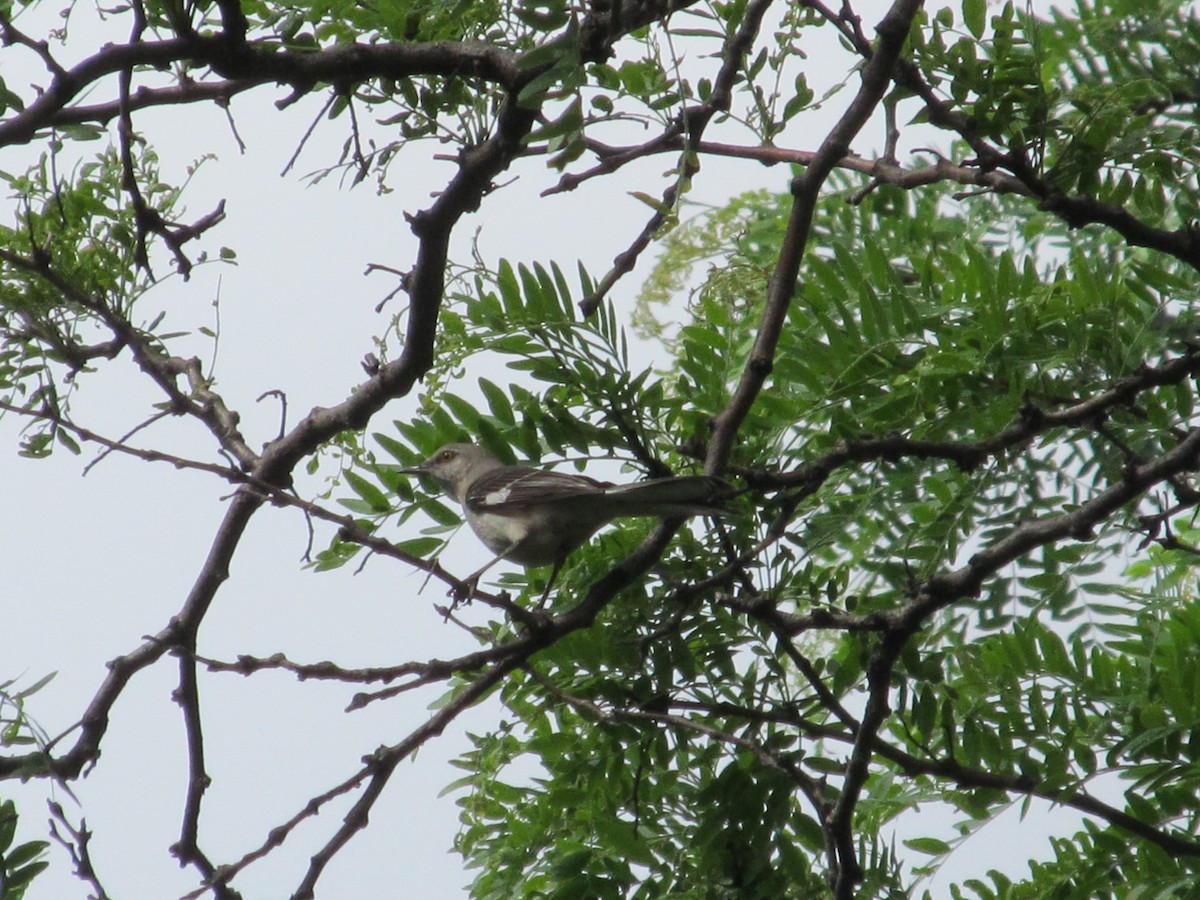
x,y
422,469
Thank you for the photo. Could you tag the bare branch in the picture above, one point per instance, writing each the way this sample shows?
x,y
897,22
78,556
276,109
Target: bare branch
x,y
303,70
143,97
688,128
76,841
200,401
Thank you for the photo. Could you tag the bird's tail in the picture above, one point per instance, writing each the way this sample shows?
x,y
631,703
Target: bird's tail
x,y
682,495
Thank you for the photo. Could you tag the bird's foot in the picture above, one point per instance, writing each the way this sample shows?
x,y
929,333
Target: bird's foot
x,y
462,594
464,591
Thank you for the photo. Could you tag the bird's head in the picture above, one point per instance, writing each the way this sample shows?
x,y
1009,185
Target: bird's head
x,y
455,467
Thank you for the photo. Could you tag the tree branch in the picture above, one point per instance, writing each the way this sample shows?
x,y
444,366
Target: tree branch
x,y
259,63
876,75
687,129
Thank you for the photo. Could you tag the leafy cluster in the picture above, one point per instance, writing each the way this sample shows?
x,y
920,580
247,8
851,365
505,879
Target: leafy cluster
x,y
72,255
1098,100
19,863
919,315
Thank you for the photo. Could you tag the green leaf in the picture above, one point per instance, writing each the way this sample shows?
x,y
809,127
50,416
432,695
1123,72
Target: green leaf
x,y
421,546
1054,652
498,401
375,499
653,202
394,448
975,16
25,853
929,846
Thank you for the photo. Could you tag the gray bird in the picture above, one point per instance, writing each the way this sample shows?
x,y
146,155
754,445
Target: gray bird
x,y
538,517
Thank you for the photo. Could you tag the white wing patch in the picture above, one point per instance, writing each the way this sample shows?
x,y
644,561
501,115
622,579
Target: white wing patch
x,y
495,498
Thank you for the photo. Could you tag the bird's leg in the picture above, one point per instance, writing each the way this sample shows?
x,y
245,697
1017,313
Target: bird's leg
x,y
465,591
558,564
470,584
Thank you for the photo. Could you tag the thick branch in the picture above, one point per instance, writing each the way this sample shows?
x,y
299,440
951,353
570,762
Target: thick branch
x,y
261,64
806,188
963,776
1079,524
956,773
967,455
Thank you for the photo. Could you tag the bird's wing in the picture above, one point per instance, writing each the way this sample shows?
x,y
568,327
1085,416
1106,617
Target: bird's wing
x,y
516,487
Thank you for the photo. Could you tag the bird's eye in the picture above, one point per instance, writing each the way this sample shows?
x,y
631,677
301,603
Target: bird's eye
x,y
447,455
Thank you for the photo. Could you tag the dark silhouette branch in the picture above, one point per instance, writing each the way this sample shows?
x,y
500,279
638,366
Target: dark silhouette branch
x,y
254,64
77,842
951,771
806,189
687,129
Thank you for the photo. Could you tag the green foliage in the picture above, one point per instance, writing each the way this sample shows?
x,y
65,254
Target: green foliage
x,y
19,863
919,314
931,324
69,264
84,226
1098,97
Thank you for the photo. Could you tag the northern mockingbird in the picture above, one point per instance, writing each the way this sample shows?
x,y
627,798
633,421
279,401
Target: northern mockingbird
x,y
537,517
